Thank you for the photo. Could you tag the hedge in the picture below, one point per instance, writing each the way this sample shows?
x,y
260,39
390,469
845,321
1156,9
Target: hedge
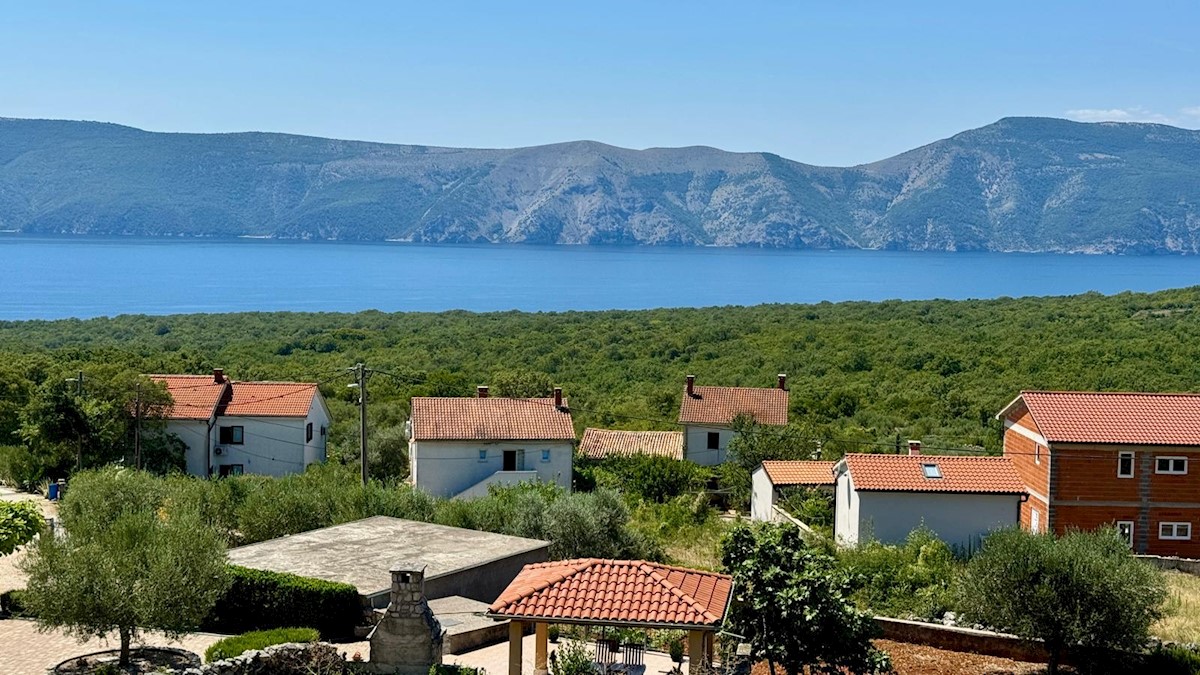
x,y
261,600
13,602
237,645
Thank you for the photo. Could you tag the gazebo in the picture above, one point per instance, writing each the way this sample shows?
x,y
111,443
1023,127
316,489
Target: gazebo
x,y
612,593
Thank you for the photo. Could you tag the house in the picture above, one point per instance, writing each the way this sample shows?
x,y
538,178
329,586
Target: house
x,y
606,443
707,412
460,446
1096,458
230,428
773,476
885,497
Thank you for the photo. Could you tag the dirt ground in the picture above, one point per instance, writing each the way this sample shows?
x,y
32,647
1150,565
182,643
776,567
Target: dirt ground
x,y
921,660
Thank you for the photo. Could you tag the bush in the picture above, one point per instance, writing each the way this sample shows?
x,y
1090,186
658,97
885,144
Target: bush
x,y
261,600
13,603
20,468
573,659
255,640
914,580
1171,660
19,524
651,477
454,669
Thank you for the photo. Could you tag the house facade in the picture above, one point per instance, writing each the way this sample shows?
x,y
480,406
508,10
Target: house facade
x,y
1090,459
885,497
231,428
706,414
775,475
458,447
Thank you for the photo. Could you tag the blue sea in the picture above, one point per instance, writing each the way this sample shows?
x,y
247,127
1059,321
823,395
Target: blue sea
x,y
50,278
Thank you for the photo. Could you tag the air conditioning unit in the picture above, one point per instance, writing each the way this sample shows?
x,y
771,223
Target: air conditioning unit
x,y
218,450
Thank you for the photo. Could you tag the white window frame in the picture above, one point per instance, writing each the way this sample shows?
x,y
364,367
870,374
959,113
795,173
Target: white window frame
x,y
483,455
1129,523
1037,453
931,471
1172,459
1132,463
1035,521
1175,527
545,455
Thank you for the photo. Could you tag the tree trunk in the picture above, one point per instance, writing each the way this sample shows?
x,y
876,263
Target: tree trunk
x,y
126,635
1052,662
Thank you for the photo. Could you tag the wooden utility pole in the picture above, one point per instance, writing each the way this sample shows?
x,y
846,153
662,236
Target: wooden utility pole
x,y
360,376
137,428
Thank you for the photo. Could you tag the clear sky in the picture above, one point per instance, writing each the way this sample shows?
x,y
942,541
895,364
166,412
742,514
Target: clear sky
x,y
821,82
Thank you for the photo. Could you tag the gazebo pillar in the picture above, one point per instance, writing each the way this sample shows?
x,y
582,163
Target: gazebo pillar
x,y
516,633
541,642
697,650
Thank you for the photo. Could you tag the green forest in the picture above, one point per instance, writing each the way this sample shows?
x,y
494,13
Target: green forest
x,y
862,376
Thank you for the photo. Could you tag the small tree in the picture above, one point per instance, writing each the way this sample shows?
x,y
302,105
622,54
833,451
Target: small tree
x,y
19,523
124,564
792,604
1082,590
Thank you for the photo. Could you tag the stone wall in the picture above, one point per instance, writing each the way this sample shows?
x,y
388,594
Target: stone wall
x,y
962,639
285,659
1185,565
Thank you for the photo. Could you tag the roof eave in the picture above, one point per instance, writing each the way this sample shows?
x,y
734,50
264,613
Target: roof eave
x,y
500,616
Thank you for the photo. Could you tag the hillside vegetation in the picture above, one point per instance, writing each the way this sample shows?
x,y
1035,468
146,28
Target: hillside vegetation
x,y
1020,184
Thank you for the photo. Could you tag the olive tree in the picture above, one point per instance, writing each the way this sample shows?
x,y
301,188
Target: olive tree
x,y
792,604
1084,590
124,563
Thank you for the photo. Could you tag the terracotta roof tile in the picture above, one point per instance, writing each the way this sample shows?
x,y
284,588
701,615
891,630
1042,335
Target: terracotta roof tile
x,y
783,472
1109,417
905,473
490,419
616,591
194,397
601,443
719,405
270,399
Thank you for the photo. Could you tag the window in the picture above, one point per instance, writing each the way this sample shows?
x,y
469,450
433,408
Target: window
x,y
1125,529
1035,521
1171,465
231,435
1037,453
483,455
931,470
545,455
308,433
1174,530
322,431
231,469
1125,465
714,440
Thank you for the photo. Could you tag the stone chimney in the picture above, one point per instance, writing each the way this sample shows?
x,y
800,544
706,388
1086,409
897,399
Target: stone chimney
x,y
914,448
783,381
558,398
481,391
408,640
691,385
218,376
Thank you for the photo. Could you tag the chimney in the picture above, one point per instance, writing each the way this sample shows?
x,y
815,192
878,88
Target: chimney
x,y
558,397
691,385
481,391
408,639
783,381
914,448
218,376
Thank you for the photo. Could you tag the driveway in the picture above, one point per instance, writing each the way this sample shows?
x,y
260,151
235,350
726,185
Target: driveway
x,y
10,575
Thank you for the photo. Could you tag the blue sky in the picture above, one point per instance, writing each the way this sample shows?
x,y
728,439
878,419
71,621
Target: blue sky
x,y
822,82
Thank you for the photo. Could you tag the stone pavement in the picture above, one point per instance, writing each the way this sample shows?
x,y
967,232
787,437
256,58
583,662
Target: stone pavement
x,y
494,659
25,651
10,574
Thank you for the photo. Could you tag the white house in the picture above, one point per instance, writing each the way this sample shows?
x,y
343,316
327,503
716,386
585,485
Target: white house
x,y
460,446
773,475
885,497
706,414
230,428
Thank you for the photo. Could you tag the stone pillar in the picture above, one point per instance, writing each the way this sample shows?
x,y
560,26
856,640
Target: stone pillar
x,y
408,640
516,634
541,643
697,652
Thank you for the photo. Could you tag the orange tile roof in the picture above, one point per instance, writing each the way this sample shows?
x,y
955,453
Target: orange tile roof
x,y
601,443
783,472
615,592
904,473
1110,417
490,419
719,405
194,397
270,399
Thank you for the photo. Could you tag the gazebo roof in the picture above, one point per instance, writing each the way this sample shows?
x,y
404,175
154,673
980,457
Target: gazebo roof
x,y
615,592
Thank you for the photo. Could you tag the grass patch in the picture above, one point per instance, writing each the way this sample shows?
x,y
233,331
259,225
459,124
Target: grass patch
x,y
258,639
1182,623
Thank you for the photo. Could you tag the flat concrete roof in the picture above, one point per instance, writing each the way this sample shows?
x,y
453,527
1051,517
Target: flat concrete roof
x,y
361,552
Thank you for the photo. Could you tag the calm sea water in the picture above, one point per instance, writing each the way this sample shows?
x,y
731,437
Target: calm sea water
x,y
49,278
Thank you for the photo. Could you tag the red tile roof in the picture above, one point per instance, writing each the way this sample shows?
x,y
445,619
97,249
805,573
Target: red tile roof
x,y
905,473
601,443
490,419
270,399
194,397
783,472
1109,417
615,592
719,405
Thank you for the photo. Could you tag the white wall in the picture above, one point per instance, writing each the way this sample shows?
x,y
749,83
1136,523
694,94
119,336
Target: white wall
x,y
696,450
958,519
762,496
845,512
446,468
272,446
194,434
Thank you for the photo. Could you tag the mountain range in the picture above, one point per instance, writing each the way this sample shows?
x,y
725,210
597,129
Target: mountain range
x,y
1020,184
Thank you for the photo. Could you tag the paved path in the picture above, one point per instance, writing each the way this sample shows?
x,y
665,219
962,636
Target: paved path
x,y
10,574
25,651
494,659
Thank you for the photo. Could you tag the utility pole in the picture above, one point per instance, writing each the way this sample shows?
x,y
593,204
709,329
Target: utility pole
x,y
360,377
78,436
137,428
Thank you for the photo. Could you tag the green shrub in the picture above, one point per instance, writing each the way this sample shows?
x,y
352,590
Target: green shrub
x,y
13,602
454,669
573,658
261,600
19,524
239,644
651,477
1171,660
913,580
